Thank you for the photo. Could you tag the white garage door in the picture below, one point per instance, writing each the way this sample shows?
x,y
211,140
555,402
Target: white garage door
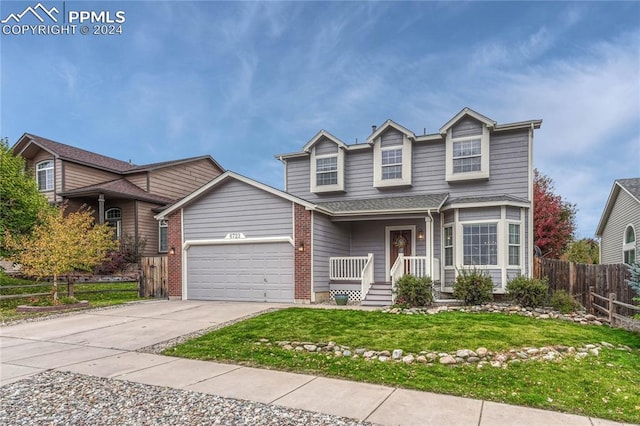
x,y
241,272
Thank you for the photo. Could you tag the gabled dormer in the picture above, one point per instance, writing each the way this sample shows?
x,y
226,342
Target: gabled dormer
x,y
467,146
392,160
326,154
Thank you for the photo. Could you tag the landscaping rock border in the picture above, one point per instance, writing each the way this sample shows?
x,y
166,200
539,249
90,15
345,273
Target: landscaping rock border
x,y
580,317
481,356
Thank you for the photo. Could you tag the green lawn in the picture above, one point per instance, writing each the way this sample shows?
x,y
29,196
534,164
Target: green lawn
x,y
606,386
111,297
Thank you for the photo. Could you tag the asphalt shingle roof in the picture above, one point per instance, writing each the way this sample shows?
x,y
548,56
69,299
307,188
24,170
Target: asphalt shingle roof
x,y
120,187
485,199
81,155
384,204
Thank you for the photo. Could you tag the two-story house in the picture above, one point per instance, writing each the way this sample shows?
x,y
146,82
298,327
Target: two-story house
x,y
124,195
354,218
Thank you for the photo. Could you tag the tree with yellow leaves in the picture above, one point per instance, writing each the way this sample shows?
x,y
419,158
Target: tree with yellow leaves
x,y
62,243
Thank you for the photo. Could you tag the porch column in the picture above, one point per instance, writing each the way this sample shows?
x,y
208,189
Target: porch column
x,y
428,241
101,209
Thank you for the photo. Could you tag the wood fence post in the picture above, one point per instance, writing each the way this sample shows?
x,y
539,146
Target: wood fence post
x,y
589,306
612,307
572,277
70,282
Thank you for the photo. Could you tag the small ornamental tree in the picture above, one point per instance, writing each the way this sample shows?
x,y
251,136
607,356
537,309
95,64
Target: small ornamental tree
x,y
20,201
585,250
61,244
553,218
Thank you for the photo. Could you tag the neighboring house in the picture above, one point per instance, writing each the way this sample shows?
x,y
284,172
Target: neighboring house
x,y
620,223
354,218
124,195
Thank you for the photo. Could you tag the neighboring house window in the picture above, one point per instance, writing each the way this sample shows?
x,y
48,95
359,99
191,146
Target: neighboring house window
x,y
480,244
44,175
629,246
392,164
327,171
163,245
514,244
113,217
448,246
467,158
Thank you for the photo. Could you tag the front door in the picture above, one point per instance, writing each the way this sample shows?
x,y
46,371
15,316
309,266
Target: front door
x,y
400,241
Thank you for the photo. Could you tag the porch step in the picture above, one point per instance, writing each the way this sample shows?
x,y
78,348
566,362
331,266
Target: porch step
x,y
379,295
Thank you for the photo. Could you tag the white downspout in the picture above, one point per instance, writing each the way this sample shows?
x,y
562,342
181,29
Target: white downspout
x,y
429,242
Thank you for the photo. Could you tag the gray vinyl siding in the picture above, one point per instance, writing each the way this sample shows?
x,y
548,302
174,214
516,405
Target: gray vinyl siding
x,y
235,206
625,211
480,213
449,277
325,146
509,166
329,240
391,138
513,213
466,127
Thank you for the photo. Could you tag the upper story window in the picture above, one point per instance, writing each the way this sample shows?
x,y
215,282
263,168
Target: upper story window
x,y
113,217
327,171
629,246
392,163
44,175
467,157
163,242
392,160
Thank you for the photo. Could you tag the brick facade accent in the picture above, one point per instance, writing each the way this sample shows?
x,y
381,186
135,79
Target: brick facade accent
x,y
302,259
174,261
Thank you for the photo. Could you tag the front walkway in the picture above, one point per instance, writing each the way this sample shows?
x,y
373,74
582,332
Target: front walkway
x,y
103,343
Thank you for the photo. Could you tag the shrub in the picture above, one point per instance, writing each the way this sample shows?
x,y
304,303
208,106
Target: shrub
x,y
634,280
473,286
528,292
413,291
564,302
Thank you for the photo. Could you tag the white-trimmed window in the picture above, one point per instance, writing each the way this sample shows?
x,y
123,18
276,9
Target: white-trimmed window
x,y
467,157
480,244
327,171
448,245
44,175
391,163
514,244
113,217
629,246
163,242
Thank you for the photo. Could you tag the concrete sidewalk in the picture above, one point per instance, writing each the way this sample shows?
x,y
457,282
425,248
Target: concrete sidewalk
x,y
103,344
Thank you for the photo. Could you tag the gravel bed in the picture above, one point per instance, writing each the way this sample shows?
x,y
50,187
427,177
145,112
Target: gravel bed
x,y
62,398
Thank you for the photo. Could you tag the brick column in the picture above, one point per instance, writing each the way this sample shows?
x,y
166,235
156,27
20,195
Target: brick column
x,y
302,259
174,261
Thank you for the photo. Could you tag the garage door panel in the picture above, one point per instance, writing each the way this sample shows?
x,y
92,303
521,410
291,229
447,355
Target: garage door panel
x,y
241,272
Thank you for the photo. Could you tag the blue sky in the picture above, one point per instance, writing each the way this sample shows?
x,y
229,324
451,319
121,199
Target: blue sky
x,y
243,81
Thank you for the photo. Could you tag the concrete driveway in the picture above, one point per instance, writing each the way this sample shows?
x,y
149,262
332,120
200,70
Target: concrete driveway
x,y
29,348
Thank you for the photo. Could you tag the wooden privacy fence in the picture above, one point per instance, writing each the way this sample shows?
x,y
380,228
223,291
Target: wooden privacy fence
x,y
153,282
580,280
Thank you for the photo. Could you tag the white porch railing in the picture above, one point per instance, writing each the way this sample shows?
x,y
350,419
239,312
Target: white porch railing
x,y
416,265
347,268
367,277
396,272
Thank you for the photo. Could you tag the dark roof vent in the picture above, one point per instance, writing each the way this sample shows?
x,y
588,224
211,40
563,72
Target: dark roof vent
x,y
373,128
